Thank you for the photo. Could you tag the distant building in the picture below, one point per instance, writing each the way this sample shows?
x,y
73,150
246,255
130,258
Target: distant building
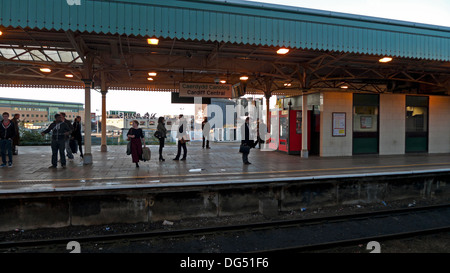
x,y
40,111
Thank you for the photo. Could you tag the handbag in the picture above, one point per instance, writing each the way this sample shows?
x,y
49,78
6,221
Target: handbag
x,y
182,140
244,148
157,134
129,148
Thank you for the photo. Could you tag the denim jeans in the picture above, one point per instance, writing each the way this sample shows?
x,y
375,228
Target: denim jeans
x,y
6,146
68,150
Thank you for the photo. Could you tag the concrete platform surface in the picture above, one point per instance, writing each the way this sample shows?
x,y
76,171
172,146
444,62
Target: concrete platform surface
x,y
220,164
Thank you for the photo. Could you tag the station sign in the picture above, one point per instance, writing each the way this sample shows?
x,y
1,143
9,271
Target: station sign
x,y
208,90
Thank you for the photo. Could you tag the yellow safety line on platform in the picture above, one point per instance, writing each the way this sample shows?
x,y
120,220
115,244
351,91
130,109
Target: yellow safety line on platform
x,y
224,174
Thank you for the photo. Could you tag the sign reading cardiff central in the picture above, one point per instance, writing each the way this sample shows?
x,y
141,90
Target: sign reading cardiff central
x,y
208,90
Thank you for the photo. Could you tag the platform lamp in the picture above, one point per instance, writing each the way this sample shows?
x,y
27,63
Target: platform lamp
x,y
244,80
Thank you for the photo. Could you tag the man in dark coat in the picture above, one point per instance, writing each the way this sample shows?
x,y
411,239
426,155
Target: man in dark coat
x,y
16,139
206,127
60,131
247,139
67,143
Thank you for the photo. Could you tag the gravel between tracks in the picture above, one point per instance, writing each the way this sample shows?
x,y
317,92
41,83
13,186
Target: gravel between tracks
x,y
427,245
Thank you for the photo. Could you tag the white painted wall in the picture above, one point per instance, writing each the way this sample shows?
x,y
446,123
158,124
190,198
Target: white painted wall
x,y
335,102
392,118
439,124
392,124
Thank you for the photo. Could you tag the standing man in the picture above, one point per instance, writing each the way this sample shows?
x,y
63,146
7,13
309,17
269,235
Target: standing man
x,y
261,132
16,139
67,143
206,128
182,138
60,131
7,133
76,134
247,139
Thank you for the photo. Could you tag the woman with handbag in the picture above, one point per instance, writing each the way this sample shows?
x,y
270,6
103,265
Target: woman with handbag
x,y
136,137
161,133
247,141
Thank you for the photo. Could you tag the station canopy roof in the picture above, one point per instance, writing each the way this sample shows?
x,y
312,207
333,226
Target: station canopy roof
x,y
206,41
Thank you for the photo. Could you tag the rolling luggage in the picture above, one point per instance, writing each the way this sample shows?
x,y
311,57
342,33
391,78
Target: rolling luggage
x,y
146,154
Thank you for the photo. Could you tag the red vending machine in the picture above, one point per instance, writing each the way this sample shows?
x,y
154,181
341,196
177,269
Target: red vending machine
x,y
290,139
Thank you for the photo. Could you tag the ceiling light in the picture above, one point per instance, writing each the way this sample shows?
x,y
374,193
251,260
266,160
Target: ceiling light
x,y
282,50
385,60
150,79
287,84
243,78
45,69
153,41
152,74
69,75
223,81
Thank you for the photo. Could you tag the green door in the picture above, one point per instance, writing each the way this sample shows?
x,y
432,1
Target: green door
x,y
365,123
416,139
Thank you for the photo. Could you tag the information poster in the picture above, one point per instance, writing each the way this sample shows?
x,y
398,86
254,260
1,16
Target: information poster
x,y
366,122
338,124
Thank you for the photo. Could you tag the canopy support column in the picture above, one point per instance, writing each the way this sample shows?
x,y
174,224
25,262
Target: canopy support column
x,y
267,96
104,91
304,152
104,147
87,122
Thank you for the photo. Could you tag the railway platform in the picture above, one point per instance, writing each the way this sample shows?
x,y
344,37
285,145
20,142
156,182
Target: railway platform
x,y
210,183
222,163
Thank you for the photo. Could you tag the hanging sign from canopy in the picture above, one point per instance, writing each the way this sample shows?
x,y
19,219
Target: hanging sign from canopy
x,y
209,90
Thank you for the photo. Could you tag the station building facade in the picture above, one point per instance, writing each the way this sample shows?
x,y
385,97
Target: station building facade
x,y
352,123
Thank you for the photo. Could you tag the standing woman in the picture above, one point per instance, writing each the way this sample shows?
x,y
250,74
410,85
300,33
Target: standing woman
x,y
162,135
136,137
76,134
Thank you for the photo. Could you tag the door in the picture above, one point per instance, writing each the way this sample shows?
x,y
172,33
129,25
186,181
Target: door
x,y
365,123
315,131
416,138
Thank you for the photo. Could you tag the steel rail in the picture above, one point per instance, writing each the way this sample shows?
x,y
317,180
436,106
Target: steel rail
x,y
189,232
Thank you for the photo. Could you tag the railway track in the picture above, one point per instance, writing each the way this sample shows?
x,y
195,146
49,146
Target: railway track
x,y
269,237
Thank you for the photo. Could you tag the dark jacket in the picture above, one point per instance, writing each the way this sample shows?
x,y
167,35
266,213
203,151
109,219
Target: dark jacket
x,y
162,129
69,124
76,133
7,132
247,136
16,139
58,130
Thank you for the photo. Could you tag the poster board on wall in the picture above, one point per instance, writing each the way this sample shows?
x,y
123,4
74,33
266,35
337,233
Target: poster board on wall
x,y
339,124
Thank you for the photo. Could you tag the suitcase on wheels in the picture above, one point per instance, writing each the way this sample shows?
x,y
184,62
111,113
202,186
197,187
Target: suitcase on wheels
x,y
146,154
